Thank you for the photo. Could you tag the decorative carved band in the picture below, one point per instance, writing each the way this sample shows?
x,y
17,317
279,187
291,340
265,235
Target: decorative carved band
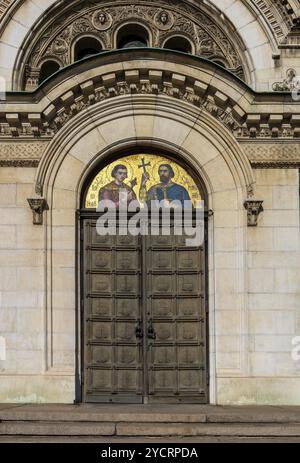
x,y
185,87
4,5
21,154
264,155
163,19
19,163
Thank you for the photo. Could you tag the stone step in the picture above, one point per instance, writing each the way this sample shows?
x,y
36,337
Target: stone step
x,y
155,429
146,417
102,417
31,428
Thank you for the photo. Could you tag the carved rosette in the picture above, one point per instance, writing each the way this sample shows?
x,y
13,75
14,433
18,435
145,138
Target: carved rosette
x,y
254,208
38,206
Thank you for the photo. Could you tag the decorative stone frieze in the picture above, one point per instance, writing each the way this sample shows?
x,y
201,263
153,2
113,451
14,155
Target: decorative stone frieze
x,y
246,114
163,20
266,155
21,154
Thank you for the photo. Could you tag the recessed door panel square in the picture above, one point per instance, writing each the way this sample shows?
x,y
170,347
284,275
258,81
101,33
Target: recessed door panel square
x,y
126,332
127,284
101,307
101,260
100,331
162,284
189,356
100,380
188,284
189,307
100,355
128,380
127,308
189,380
163,308
100,240
188,260
188,331
127,260
101,284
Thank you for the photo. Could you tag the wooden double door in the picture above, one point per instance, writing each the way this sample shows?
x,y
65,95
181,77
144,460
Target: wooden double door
x,y
144,319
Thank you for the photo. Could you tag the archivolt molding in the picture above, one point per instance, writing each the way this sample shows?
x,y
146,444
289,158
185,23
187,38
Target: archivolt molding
x,y
155,107
282,17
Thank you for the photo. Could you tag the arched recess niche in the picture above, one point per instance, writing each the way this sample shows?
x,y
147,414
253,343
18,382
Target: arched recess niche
x,y
96,136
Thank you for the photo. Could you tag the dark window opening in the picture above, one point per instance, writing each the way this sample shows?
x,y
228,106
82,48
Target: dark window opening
x,y
85,47
48,68
179,44
132,36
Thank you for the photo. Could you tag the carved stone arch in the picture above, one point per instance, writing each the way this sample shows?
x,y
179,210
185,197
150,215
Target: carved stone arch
x,y
171,36
38,71
272,20
132,23
52,37
80,37
169,110
202,142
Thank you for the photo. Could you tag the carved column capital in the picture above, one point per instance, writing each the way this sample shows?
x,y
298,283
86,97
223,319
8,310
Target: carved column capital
x,y
38,206
254,207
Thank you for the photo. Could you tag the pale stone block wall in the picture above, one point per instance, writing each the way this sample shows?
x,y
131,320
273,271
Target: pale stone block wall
x,y
21,277
254,273
274,296
23,376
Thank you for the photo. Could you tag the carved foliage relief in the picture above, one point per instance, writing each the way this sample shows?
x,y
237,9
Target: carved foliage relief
x,y
163,20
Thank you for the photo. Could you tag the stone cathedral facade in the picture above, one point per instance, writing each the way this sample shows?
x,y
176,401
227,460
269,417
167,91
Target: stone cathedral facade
x,y
205,93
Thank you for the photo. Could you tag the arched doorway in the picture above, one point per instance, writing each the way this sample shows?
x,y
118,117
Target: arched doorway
x,y
144,298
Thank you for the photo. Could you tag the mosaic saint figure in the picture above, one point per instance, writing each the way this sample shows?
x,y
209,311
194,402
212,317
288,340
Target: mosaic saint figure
x,y
112,190
166,190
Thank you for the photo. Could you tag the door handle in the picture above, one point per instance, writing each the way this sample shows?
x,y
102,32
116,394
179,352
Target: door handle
x,y
139,330
151,332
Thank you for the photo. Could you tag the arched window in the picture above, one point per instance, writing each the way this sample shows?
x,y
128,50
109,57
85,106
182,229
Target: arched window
x,y
179,44
48,68
132,36
86,46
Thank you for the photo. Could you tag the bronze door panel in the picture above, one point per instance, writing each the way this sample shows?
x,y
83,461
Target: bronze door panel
x,y
144,319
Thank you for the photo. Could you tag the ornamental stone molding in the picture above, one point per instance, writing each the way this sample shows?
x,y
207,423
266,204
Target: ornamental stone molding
x,y
246,114
279,15
21,154
265,155
55,40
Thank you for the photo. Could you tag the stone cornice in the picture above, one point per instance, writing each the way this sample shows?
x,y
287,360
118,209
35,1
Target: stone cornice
x,y
248,115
